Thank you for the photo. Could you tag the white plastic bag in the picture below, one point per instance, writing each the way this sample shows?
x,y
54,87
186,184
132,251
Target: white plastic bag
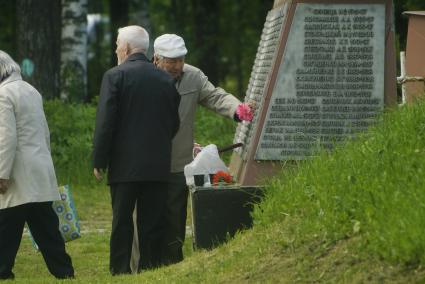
x,y
206,162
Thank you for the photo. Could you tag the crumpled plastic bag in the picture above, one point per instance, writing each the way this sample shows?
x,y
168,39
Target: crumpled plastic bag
x,y
206,162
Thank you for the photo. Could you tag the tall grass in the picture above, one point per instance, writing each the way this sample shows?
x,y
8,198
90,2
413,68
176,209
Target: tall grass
x,y
373,187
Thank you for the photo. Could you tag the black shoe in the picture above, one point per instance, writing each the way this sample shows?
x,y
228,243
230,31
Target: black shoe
x,y
65,277
9,276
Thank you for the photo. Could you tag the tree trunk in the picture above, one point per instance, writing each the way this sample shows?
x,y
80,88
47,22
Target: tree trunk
x,y
140,16
118,12
38,44
206,41
74,50
178,16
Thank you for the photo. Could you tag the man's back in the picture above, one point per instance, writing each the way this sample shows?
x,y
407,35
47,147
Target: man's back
x,y
137,118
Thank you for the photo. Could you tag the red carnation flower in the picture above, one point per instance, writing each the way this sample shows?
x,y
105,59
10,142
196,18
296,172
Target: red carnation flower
x,y
222,177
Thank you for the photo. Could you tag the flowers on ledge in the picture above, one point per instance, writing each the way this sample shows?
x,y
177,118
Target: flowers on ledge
x,y
222,178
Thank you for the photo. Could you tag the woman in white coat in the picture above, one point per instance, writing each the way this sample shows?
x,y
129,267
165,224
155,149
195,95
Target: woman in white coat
x,y
27,178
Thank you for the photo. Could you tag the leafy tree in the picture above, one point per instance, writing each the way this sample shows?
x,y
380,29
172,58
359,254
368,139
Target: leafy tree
x,y
140,15
99,51
222,36
205,19
7,27
401,20
241,24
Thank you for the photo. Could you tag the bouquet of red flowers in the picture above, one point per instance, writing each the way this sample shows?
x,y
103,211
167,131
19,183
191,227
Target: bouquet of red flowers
x,y
221,177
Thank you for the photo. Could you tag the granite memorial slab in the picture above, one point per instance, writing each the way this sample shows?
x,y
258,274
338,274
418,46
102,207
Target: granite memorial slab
x,y
328,75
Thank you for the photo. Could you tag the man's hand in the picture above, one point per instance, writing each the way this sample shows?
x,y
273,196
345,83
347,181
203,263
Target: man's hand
x,y
197,148
252,104
4,185
98,173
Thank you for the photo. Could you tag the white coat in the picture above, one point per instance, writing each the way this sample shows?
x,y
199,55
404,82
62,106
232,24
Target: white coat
x,y
25,157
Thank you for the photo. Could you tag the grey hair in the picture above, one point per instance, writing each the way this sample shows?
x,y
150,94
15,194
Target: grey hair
x,y
7,66
136,37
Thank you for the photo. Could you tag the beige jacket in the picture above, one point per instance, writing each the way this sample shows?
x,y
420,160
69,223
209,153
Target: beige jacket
x,y
194,88
24,145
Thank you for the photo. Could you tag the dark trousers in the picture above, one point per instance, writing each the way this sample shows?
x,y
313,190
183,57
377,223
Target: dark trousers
x,y
175,215
150,197
44,224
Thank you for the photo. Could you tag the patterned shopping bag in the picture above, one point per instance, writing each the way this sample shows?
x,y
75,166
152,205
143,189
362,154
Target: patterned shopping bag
x,y
69,224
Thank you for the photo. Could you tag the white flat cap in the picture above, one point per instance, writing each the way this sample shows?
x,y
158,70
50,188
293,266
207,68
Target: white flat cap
x,y
170,46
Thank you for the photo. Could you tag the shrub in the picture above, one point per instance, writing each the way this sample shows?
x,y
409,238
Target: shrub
x,y
71,132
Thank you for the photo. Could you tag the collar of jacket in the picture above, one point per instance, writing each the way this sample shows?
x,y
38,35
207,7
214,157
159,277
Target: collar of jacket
x,y
13,77
137,56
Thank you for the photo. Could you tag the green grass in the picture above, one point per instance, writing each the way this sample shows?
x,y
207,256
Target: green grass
x,y
352,216
373,187
93,203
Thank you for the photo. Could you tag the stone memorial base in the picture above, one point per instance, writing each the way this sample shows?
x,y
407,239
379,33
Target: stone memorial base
x,y
218,212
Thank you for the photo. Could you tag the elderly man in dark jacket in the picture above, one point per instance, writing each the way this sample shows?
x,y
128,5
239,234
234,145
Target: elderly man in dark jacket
x,y
137,118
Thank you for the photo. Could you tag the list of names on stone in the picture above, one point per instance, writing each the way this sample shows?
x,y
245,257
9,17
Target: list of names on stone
x,y
330,84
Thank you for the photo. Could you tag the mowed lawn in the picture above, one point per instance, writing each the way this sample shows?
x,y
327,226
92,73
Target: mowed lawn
x,y
90,253
71,129
353,215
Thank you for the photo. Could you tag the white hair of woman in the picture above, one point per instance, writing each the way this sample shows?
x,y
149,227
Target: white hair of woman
x,y
136,37
7,66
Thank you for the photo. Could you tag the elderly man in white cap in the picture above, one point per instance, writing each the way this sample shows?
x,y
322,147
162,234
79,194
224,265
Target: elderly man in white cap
x,y
194,89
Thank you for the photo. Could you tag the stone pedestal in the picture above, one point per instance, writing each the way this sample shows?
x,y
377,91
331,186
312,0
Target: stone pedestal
x,y
218,212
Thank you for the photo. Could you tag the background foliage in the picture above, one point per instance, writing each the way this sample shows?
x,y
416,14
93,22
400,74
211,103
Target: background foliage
x,y
353,216
71,132
222,36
